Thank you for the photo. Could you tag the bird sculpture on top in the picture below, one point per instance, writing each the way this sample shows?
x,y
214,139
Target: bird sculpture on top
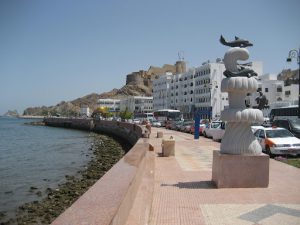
x,y
242,70
238,42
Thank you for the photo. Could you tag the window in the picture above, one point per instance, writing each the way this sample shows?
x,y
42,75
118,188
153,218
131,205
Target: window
x,y
279,89
287,92
262,134
266,89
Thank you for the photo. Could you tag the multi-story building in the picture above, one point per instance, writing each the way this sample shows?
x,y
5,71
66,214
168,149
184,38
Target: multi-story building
x,y
182,93
113,105
209,100
276,92
197,90
161,94
137,104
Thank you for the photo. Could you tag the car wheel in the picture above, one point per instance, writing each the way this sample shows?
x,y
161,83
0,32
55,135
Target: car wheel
x,y
268,151
204,134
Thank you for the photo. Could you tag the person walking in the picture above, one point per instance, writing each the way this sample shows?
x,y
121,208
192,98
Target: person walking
x,y
148,127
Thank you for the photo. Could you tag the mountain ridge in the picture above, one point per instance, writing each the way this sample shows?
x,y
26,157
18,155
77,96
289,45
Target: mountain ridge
x,y
72,108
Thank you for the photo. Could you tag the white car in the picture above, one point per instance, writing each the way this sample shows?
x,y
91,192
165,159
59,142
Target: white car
x,y
207,132
218,133
136,121
256,127
155,123
277,141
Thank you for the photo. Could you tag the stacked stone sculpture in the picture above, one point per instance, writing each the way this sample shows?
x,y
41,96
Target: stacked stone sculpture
x,y
238,138
240,162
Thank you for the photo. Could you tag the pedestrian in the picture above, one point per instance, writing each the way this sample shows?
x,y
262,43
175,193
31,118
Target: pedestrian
x,y
148,127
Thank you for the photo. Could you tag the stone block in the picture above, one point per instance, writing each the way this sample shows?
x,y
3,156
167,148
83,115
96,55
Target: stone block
x,y
160,134
168,147
240,171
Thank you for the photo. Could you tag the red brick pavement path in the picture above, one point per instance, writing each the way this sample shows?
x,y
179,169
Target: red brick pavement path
x,y
184,193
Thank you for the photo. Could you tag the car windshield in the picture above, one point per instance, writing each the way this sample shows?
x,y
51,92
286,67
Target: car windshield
x,y
282,133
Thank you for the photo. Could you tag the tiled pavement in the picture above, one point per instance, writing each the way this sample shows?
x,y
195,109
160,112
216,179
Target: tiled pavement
x,y
184,193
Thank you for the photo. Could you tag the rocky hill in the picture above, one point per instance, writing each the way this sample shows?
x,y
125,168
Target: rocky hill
x,y
71,108
289,76
11,113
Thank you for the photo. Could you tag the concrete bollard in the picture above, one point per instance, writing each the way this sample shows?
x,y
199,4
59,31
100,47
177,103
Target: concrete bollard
x,y
160,134
168,147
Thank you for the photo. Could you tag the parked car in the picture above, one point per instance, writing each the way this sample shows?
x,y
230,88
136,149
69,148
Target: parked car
x,y
137,121
255,127
178,124
207,132
186,126
277,141
202,126
218,133
171,124
293,125
155,123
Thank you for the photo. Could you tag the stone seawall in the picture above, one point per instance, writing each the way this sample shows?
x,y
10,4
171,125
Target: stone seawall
x,y
110,200
126,131
74,123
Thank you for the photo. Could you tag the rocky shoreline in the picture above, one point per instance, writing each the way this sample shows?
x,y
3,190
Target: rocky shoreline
x,y
107,151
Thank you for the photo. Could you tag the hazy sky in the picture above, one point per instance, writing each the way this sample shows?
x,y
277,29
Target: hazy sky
x,y
64,49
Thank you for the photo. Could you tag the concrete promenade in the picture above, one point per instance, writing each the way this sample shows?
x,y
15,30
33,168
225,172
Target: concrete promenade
x,y
184,194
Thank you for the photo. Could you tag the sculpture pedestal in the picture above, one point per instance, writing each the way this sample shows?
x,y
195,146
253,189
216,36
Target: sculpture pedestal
x,y
240,171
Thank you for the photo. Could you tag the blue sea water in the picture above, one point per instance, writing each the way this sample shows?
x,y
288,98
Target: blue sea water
x,y
39,157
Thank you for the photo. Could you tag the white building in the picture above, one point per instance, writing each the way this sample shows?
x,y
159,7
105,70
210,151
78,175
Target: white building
x,y
182,93
199,89
162,91
137,104
209,100
277,94
85,111
112,104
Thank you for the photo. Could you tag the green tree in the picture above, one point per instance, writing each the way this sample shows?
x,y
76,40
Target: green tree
x,y
126,114
102,111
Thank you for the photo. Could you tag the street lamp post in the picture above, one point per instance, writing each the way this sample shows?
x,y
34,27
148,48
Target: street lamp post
x,y
294,53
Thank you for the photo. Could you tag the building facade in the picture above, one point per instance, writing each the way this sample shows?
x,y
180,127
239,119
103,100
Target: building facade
x,y
137,104
197,90
85,111
113,105
161,85
277,92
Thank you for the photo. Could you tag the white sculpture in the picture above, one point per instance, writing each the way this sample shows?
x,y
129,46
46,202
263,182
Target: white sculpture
x,y
238,138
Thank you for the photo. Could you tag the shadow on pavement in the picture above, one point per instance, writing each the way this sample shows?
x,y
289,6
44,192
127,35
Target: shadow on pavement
x,y
193,185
